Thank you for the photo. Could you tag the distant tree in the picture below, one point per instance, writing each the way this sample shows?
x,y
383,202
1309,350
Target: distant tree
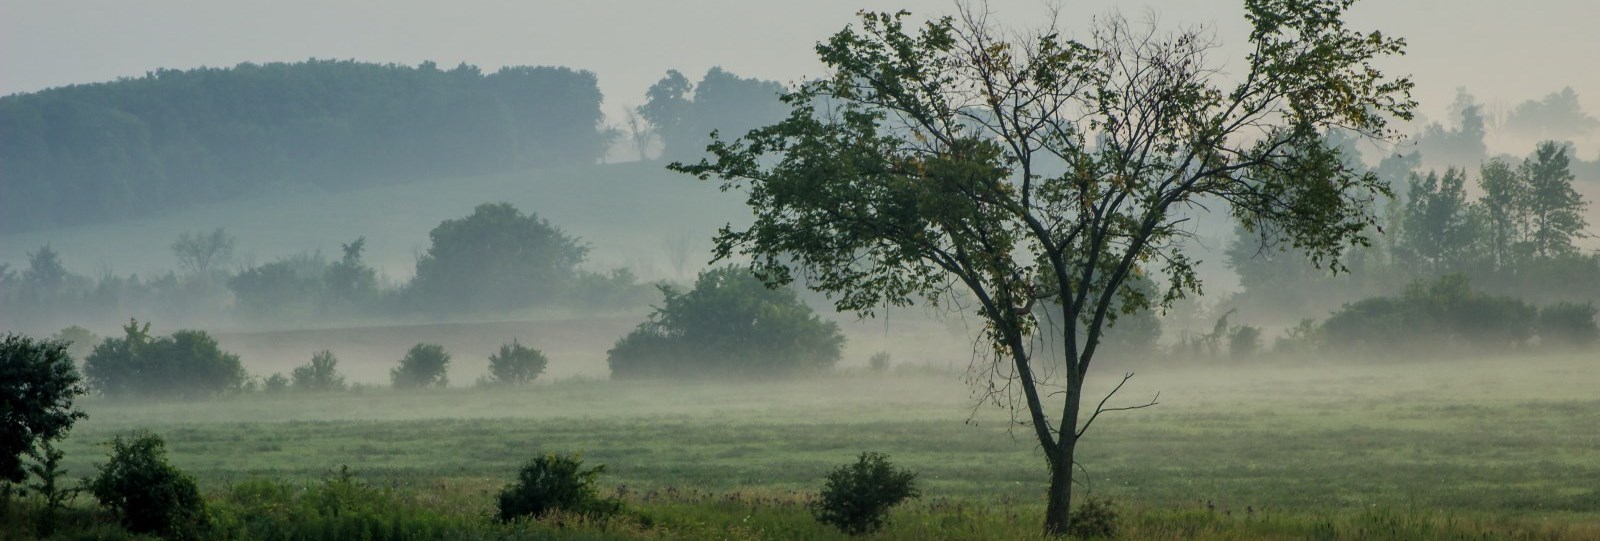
x,y
516,364
640,134
187,364
288,287
495,259
1504,196
669,110
80,341
1463,145
45,276
1557,116
1554,208
201,253
350,282
1568,325
423,366
1244,342
1439,231
1442,316
730,324
684,115
38,382
321,374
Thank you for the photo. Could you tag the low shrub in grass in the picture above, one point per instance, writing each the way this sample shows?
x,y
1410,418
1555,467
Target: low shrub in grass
x,y
556,483
1095,518
147,494
321,374
516,364
857,497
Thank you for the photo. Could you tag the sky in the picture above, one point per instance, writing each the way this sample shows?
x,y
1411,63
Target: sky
x,y
1502,52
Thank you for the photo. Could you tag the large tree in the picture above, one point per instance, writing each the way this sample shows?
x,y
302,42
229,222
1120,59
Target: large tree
x,y
954,161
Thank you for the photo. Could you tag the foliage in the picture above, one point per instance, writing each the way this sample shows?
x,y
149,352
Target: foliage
x,y
1095,518
1568,325
730,324
174,138
423,366
148,494
857,497
516,364
275,383
1427,315
1244,342
38,383
683,115
48,475
321,374
286,288
495,259
879,362
187,364
350,283
555,482
80,341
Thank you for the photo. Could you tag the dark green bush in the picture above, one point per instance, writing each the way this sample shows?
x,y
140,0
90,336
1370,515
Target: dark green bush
x,y
516,364
1095,518
147,494
730,324
187,364
879,362
857,497
1244,342
1428,318
321,374
423,366
555,483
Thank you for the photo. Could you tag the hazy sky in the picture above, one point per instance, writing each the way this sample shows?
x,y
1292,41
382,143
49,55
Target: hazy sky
x,y
1502,51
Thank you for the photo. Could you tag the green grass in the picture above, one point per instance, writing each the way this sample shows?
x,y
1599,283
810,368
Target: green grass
x,y
1408,451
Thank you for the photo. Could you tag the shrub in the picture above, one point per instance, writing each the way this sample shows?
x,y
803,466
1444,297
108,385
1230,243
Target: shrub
x,y
37,385
879,362
187,364
423,366
857,497
1568,325
1429,315
275,383
516,364
555,483
496,259
321,374
1244,341
147,494
1095,518
731,323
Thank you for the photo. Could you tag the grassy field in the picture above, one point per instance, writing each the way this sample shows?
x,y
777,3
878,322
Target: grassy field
x,y
1498,448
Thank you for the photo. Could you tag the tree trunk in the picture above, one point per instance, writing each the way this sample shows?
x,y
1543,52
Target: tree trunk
x,y
1056,513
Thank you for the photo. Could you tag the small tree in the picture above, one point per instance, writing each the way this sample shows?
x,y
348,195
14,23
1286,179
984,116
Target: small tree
x,y
729,324
857,497
147,494
516,364
555,483
423,366
38,383
200,253
1568,325
495,259
321,374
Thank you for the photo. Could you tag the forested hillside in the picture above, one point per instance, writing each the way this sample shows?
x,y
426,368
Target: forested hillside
x,y
173,138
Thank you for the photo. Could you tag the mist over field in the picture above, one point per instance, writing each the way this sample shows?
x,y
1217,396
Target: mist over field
x,y
1232,269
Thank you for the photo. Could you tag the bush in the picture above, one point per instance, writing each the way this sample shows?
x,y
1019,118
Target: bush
x,y
37,385
1095,518
857,497
1429,316
879,362
146,493
731,323
187,364
275,383
1568,325
516,364
497,259
1244,342
423,366
555,483
321,374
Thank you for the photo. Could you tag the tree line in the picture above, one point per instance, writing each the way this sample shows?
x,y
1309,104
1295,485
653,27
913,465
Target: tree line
x,y
172,138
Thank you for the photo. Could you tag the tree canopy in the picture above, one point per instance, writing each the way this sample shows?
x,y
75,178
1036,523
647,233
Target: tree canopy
x,y
497,258
952,160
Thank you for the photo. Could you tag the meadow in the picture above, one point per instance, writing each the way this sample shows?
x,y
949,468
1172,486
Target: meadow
x,y
1460,449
